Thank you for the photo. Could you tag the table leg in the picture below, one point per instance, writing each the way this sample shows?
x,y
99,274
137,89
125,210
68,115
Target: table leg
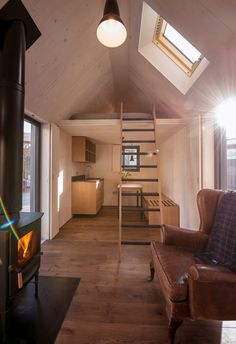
x,y
118,202
137,198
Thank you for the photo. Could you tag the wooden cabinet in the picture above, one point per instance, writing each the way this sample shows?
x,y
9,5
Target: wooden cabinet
x,y
87,197
169,208
83,150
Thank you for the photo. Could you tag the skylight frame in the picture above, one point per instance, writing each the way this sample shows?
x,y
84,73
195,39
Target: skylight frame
x,y
176,55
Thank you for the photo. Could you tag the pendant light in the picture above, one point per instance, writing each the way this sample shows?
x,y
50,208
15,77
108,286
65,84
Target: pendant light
x,y
111,31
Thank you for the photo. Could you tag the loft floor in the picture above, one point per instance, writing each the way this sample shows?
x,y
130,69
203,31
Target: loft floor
x,y
114,304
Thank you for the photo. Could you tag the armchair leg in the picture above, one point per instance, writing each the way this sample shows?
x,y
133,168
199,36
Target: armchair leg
x,y
152,272
174,324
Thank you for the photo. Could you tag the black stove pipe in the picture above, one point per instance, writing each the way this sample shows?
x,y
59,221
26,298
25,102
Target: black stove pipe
x,y
12,79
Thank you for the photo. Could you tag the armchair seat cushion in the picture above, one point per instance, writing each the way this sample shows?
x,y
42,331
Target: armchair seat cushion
x,y
171,264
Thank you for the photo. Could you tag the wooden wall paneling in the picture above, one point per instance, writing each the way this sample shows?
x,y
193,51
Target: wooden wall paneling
x,y
76,74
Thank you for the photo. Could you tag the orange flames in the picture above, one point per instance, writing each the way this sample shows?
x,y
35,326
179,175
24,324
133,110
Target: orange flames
x,y
24,247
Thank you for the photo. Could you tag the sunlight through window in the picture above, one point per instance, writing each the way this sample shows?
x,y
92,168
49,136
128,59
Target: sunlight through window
x,y
226,117
181,43
60,188
176,47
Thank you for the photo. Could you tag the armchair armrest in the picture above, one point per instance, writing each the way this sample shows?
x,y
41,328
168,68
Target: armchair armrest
x,y
189,239
212,292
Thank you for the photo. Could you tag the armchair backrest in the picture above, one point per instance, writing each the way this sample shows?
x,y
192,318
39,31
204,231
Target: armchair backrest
x,y
207,201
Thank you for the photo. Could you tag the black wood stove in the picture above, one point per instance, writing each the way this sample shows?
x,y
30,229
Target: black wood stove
x,y
20,233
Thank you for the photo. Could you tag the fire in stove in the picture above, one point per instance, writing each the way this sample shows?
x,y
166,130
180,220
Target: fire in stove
x,y
25,248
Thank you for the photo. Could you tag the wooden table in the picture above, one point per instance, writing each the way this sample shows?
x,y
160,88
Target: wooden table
x,y
132,187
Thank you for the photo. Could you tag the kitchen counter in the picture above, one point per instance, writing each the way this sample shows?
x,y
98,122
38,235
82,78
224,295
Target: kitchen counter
x,y
79,179
87,195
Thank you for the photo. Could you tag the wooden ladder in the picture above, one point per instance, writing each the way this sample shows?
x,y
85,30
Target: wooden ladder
x,y
152,130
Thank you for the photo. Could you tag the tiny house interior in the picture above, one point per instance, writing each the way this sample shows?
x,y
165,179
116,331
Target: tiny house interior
x,y
103,144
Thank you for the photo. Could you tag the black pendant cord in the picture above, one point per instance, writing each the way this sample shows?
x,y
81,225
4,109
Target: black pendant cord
x,y
111,7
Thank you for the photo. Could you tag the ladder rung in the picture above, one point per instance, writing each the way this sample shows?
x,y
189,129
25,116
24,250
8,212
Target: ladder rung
x,y
141,153
139,180
139,225
133,130
140,166
138,141
139,209
137,119
140,194
135,242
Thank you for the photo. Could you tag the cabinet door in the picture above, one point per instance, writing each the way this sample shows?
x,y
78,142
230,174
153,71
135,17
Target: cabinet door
x,y
83,150
92,151
84,198
78,149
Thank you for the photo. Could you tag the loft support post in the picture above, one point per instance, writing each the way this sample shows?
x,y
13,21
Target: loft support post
x,y
120,185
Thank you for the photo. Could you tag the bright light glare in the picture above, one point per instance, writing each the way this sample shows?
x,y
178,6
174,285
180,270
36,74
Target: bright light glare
x,y
226,116
111,33
7,224
60,182
182,44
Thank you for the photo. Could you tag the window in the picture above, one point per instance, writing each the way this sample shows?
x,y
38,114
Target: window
x,y
168,51
231,161
131,158
225,143
30,183
175,46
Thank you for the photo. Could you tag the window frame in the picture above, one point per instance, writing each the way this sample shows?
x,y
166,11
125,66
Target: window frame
x,y
221,159
177,56
36,202
135,168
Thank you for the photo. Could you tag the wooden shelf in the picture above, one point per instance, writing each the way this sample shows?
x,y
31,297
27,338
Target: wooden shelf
x,y
83,150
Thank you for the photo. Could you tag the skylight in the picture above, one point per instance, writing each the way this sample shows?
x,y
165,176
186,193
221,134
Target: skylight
x,y
168,51
176,47
182,44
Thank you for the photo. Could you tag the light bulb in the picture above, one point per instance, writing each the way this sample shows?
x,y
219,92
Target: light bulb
x,y
111,33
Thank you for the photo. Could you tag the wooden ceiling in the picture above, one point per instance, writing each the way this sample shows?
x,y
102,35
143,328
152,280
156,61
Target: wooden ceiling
x,y
68,71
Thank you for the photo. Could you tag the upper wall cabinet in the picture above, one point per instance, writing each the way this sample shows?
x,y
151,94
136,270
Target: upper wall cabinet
x,y
83,150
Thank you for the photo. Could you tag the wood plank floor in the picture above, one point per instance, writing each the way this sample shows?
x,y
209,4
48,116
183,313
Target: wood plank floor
x,y
114,303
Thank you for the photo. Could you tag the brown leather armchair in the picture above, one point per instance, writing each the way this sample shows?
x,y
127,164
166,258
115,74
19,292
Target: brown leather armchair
x,y
192,289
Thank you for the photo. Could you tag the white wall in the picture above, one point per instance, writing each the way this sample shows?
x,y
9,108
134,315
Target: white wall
x,y
208,161
67,169
179,166
49,177
64,178
45,180
54,173
103,168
